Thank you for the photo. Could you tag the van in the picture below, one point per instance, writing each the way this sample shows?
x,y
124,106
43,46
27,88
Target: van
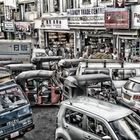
x,y
15,109
37,52
85,118
119,71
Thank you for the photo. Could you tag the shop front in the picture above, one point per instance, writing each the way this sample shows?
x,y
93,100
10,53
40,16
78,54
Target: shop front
x,y
88,24
57,35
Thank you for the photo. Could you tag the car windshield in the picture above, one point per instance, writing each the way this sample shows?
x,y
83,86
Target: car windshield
x,y
133,86
127,128
38,54
11,98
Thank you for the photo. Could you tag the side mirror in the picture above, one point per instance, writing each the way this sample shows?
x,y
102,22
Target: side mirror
x,y
106,138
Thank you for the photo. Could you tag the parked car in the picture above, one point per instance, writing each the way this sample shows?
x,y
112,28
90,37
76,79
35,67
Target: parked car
x,y
130,96
85,118
40,86
94,85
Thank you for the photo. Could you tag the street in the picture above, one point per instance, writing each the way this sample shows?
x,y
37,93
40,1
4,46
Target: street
x,y
44,119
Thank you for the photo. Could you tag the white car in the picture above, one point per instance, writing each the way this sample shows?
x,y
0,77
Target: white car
x,y
130,94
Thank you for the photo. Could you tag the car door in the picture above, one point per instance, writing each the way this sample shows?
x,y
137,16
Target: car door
x,y
73,124
95,129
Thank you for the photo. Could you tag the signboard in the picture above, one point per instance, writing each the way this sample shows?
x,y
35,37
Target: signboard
x,y
23,26
9,26
135,17
54,24
117,19
86,16
105,2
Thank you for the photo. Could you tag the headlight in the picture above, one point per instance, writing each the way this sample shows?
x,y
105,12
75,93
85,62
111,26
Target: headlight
x,y
1,132
24,111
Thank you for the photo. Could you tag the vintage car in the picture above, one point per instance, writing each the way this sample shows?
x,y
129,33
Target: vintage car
x,y
85,118
16,69
46,62
41,87
94,85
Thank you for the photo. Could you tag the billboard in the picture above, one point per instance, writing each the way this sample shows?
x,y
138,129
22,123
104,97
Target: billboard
x,y
117,19
135,14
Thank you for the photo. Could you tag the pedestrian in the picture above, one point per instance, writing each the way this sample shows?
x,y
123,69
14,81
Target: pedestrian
x,y
50,52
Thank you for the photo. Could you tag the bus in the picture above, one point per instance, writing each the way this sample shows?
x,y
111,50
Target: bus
x,y
17,50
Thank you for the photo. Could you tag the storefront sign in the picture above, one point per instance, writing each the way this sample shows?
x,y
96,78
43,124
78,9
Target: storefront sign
x,y
54,24
135,17
23,26
117,19
9,26
86,16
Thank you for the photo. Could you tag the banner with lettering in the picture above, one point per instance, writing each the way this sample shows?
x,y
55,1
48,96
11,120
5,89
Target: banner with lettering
x,y
86,16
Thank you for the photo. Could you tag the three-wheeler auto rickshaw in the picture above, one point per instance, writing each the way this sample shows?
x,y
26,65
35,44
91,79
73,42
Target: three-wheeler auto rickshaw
x,y
67,67
16,69
47,62
98,86
40,86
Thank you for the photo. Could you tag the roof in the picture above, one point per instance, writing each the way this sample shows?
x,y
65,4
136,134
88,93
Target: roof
x,y
34,74
83,79
20,66
108,111
135,79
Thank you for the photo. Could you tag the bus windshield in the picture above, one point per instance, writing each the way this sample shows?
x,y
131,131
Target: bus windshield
x,y
11,98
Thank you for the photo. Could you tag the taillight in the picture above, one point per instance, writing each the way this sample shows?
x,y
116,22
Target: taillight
x,y
136,97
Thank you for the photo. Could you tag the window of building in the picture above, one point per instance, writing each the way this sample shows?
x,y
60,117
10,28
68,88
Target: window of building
x,y
69,4
30,7
74,118
56,6
45,6
16,47
23,47
86,2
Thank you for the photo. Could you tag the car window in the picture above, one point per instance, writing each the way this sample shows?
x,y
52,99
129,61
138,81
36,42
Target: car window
x,y
74,118
97,127
123,74
133,86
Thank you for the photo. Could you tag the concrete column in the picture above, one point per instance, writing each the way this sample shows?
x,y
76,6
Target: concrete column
x,y
77,41
41,38
61,6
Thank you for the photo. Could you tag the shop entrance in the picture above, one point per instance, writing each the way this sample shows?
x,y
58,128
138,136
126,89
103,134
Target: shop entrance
x,y
129,49
60,40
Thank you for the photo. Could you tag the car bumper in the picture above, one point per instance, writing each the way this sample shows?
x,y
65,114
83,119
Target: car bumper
x,y
21,132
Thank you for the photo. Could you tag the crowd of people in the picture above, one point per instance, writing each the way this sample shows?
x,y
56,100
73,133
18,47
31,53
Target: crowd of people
x,y
101,51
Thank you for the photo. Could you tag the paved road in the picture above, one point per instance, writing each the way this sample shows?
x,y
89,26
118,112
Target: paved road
x,y
44,119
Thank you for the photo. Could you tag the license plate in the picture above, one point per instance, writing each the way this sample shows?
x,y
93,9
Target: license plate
x,y
15,134
127,96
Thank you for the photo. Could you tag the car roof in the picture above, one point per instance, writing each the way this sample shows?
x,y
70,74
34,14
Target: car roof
x,y
84,79
135,79
103,109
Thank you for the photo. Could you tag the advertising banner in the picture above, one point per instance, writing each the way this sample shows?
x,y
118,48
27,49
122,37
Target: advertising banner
x,y
86,16
9,26
117,19
135,22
